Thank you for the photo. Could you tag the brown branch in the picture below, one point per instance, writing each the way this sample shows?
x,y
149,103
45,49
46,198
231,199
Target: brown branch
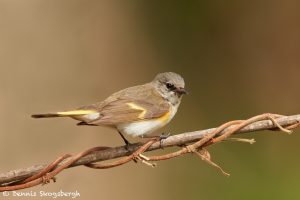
x,y
192,142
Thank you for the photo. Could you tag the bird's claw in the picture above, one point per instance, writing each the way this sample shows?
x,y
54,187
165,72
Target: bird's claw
x,y
162,137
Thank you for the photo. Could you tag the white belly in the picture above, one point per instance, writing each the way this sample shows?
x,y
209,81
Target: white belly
x,y
144,127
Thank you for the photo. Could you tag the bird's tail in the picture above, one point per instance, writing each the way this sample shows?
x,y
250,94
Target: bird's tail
x,y
72,113
45,115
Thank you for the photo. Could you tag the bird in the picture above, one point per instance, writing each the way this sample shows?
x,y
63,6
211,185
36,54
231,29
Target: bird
x,y
135,111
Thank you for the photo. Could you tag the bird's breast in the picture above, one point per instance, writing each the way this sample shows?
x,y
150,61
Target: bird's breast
x,y
145,127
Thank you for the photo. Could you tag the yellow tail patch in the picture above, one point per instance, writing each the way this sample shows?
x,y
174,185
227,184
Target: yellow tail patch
x,y
76,112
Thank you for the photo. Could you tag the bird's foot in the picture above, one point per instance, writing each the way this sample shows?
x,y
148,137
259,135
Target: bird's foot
x,y
164,136
160,138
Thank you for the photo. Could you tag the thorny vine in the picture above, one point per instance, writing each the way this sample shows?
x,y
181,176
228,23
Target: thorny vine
x,y
198,148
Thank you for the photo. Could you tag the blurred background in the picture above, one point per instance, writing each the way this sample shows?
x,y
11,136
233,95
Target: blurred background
x,y
239,59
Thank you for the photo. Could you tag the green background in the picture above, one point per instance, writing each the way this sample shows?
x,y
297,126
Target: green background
x,y
238,58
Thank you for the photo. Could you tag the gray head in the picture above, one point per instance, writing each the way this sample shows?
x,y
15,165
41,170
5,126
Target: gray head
x,y
170,85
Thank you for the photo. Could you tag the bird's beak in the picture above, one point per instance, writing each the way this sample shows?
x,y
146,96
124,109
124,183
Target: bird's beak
x,y
181,91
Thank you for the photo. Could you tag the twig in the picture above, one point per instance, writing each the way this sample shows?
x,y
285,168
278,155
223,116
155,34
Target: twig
x,y
191,142
250,141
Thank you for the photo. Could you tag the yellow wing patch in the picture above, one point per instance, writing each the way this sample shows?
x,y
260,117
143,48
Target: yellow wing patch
x,y
136,107
165,117
76,112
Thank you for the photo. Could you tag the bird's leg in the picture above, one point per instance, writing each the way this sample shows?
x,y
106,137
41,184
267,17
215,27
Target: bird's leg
x,y
125,140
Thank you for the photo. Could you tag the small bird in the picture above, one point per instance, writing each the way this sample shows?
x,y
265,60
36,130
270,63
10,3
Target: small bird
x,y
134,111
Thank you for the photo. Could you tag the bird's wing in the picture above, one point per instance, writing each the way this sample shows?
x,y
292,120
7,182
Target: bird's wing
x,y
121,111
148,104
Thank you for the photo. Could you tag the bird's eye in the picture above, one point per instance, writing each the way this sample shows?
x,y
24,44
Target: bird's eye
x,y
170,86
